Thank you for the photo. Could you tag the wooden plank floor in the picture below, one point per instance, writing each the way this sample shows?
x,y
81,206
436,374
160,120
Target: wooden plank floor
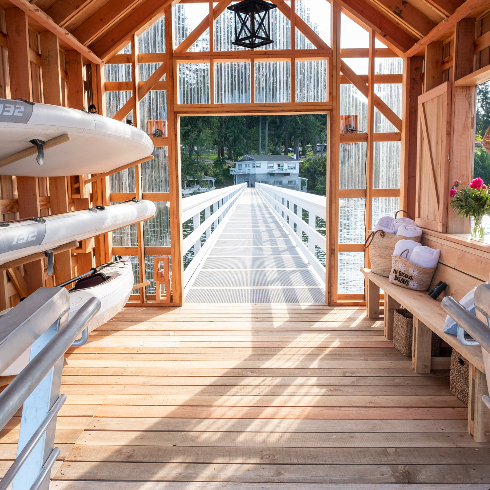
x,y
245,397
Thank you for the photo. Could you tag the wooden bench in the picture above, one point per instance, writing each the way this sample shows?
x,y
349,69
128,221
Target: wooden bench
x,y
430,317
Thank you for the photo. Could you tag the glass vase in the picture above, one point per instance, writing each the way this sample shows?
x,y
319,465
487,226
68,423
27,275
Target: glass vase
x,y
477,231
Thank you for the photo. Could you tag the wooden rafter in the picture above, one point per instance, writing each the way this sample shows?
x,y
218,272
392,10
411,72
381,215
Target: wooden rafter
x,y
407,15
394,35
364,89
201,28
444,27
103,20
445,7
63,11
47,22
135,22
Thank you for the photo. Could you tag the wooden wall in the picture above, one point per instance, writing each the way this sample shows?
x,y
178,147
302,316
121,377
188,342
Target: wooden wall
x,y
33,66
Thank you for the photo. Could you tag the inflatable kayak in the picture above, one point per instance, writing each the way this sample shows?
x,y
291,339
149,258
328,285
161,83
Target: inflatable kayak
x,y
89,143
112,284
22,238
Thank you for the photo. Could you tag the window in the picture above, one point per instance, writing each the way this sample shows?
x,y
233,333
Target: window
x,y
257,165
239,166
292,165
291,182
270,165
278,182
247,165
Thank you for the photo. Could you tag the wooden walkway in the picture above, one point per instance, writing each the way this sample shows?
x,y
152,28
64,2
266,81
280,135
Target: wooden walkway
x,y
254,260
246,397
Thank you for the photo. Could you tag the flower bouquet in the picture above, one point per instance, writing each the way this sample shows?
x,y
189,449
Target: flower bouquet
x,y
471,200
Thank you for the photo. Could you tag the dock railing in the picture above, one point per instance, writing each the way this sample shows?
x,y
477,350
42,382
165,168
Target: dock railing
x,y
216,205
40,323
293,208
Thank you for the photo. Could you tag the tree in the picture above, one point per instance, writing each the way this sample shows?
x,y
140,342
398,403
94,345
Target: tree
x,y
482,109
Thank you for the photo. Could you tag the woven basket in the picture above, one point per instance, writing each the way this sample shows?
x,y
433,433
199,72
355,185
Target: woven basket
x,y
409,275
403,334
381,247
459,377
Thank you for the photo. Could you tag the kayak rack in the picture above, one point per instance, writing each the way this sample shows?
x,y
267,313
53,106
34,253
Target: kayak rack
x,y
40,323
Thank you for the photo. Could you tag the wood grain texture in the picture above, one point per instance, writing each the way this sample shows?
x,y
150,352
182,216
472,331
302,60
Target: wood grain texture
x,y
294,409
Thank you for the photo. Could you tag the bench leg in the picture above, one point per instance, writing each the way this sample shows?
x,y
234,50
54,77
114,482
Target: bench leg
x,y
478,413
372,293
421,347
390,306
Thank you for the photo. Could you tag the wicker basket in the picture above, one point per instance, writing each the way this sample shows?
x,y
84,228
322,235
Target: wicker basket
x,y
459,377
381,247
403,334
409,275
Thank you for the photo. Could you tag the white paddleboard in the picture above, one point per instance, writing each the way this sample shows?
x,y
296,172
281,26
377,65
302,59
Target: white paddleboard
x,y
97,144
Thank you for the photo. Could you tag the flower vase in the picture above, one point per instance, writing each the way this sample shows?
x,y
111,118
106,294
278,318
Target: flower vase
x,y
477,232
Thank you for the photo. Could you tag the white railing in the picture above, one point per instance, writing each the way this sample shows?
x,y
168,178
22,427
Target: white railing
x,y
283,202
221,201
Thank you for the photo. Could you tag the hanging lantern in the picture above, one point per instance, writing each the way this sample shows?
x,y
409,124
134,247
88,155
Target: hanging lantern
x,y
252,23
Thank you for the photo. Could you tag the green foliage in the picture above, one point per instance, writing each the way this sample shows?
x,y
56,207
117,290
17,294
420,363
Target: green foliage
x,y
482,164
482,109
314,168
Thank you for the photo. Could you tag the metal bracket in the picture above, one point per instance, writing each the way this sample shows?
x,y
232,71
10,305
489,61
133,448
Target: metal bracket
x,y
39,144
82,340
50,255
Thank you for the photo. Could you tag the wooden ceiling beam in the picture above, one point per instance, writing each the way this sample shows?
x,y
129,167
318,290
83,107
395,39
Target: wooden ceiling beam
x,y
63,11
134,22
40,17
445,7
411,18
444,27
397,39
100,22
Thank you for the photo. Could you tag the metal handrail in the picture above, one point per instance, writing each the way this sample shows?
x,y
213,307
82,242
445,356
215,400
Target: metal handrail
x,y
39,323
16,393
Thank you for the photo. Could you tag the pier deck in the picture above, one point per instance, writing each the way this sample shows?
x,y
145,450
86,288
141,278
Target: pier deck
x,y
254,260
254,397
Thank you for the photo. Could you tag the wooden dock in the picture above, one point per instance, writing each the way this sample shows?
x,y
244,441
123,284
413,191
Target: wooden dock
x,y
255,397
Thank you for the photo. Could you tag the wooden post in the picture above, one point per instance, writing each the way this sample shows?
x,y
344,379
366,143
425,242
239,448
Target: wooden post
x,y
372,300
18,54
433,65
174,169
412,88
421,347
51,69
333,158
478,413
463,116
389,312
74,67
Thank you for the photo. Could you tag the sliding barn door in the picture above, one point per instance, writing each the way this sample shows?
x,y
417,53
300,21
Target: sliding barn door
x,y
433,149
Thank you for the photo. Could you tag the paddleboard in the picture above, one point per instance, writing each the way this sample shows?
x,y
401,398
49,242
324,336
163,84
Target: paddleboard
x,y
21,238
96,143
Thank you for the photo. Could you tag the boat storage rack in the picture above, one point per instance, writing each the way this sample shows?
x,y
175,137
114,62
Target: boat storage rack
x,y
39,323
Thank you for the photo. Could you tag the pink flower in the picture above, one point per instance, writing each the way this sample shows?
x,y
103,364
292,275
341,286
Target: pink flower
x,y
456,183
483,186
476,183
452,192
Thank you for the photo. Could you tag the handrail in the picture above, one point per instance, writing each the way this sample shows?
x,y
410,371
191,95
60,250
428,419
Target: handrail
x,y
221,201
36,388
282,201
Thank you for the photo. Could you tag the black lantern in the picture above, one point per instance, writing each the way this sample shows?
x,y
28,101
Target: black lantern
x,y
252,23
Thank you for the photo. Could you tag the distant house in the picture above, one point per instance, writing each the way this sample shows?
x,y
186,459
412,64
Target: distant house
x,y
278,170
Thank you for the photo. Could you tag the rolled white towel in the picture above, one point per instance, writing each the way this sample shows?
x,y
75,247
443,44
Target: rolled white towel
x,y
402,245
409,230
425,256
386,223
403,221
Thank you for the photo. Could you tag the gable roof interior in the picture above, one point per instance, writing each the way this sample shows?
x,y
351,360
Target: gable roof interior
x,y
105,26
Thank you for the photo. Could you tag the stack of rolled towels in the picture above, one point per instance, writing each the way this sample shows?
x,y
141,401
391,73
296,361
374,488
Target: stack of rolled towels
x,y
406,227
400,226
418,254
